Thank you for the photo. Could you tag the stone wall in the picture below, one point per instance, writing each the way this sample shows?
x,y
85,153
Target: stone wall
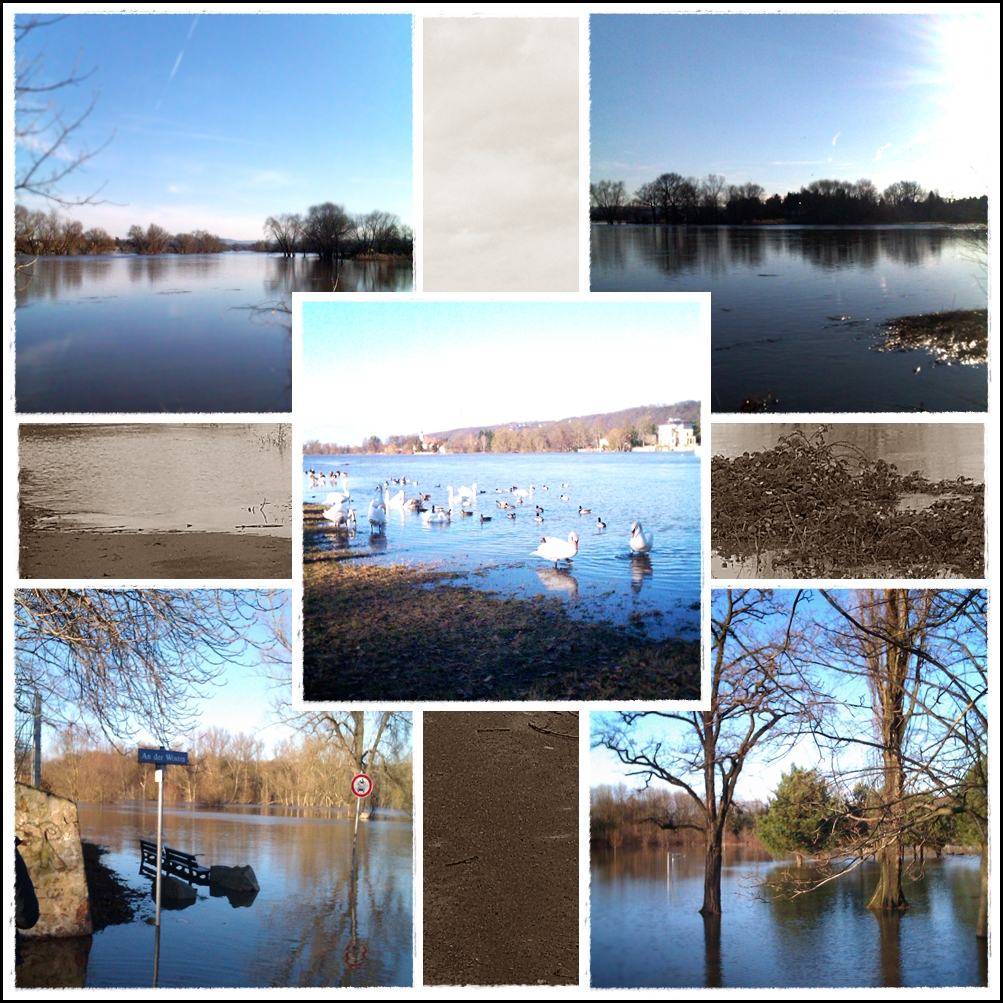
x,y
50,845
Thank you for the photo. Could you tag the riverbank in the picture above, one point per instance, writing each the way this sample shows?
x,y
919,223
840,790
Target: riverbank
x,y
379,632
74,553
112,901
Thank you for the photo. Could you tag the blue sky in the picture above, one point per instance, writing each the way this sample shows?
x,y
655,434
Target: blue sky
x,y
219,121
849,714
394,368
784,99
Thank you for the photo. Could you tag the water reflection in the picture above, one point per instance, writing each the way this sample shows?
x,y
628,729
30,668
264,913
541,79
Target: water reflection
x,y
307,927
181,333
768,937
799,313
661,490
558,580
716,250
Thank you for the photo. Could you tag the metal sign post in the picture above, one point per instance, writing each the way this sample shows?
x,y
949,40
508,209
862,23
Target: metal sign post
x,y
355,953
161,757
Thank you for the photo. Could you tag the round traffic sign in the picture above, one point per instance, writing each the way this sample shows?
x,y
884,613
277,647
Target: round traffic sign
x,y
362,786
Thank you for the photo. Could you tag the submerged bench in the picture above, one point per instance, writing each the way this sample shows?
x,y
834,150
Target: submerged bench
x,y
181,865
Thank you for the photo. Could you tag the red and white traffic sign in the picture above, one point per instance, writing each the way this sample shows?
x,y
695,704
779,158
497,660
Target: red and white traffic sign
x,y
362,786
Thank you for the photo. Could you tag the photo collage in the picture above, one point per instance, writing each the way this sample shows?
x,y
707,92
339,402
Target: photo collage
x,y
521,466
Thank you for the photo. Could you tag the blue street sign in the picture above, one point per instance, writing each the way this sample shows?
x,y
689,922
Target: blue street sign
x,y
163,757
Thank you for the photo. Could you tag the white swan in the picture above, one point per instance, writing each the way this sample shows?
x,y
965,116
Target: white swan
x,y
341,517
554,549
640,542
377,517
434,518
396,502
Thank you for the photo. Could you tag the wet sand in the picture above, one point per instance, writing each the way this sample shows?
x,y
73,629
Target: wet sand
x,y
54,553
501,848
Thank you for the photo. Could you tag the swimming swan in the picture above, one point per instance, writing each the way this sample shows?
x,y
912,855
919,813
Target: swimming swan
x,y
640,542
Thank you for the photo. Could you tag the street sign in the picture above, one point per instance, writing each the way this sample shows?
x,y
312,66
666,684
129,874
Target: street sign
x,y
163,757
362,786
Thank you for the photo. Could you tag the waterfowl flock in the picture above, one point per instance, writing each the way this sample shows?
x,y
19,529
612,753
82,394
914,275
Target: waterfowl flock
x,y
458,502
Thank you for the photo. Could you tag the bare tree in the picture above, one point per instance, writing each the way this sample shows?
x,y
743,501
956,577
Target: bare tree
x,y
121,660
48,149
921,655
609,197
758,699
377,230
325,228
286,230
648,196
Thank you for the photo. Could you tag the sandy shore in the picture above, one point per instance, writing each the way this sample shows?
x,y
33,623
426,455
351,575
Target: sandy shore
x,y
78,554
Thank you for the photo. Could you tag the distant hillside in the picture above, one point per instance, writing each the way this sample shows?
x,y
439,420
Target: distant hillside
x,y
634,426
640,418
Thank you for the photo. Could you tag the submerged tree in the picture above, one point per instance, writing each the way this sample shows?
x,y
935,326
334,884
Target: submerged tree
x,y
921,655
758,699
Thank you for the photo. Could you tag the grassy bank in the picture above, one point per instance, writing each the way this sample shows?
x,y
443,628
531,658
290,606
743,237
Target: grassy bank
x,y
377,632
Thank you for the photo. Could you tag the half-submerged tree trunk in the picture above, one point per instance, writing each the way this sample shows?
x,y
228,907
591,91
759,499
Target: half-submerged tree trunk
x,y
982,925
712,875
889,894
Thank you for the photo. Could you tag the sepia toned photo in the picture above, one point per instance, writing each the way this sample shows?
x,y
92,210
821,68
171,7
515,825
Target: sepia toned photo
x,y
501,848
848,500
155,501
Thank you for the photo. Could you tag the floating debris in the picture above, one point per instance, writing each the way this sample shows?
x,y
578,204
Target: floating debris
x,y
955,337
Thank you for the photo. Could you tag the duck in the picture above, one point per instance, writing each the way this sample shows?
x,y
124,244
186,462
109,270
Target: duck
x,y
640,542
584,511
554,549
600,525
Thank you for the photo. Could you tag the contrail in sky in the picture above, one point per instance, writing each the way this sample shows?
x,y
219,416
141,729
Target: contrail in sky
x,y
177,62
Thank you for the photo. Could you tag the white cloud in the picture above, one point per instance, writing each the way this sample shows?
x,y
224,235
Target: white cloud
x,y
880,153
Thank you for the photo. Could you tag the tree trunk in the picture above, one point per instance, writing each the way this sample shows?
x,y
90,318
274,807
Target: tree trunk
x,y
712,876
982,925
889,894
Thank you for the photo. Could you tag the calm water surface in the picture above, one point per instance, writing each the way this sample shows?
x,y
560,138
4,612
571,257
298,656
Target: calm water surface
x,y
182,333
647,931
157,477
661,490
797,310
298,928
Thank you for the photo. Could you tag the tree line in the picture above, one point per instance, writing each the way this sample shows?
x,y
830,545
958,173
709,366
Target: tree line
x,y
330,232
305,770
888,684
615,431
325,230
38,233
672,198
